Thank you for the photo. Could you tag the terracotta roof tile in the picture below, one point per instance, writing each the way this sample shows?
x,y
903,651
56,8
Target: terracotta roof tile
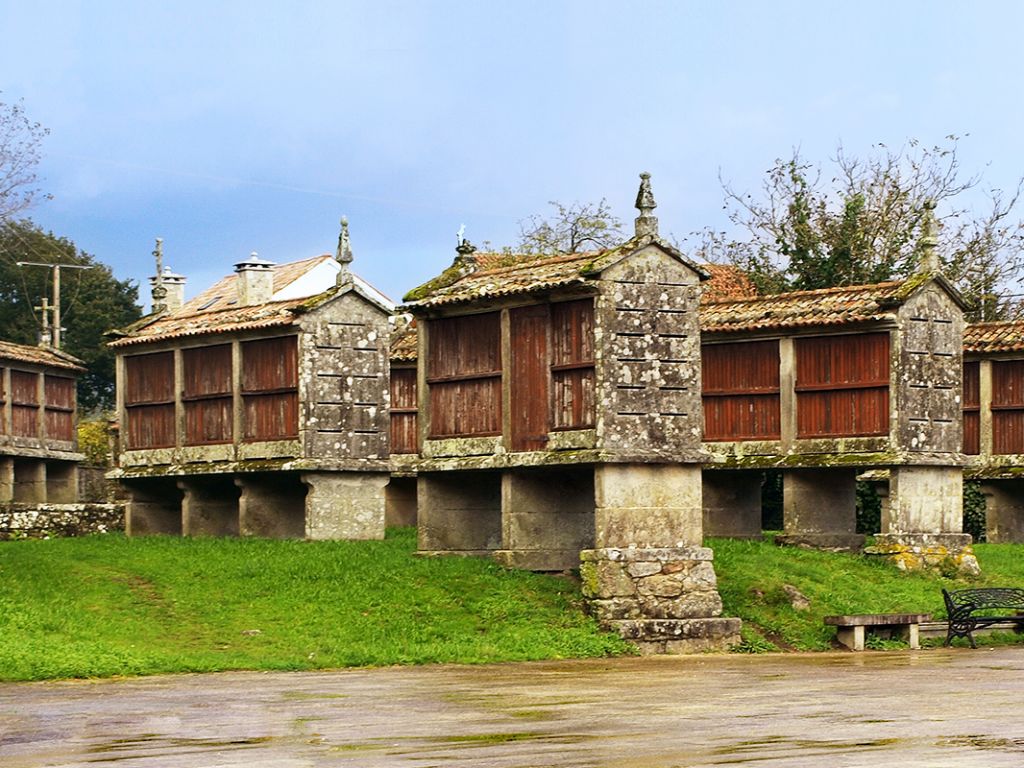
x,y
404,343
277,313
44,356
500,274
727,282
829,306
994,337
224,294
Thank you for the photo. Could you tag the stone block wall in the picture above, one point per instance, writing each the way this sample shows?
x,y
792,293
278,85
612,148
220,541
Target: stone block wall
x,y
20,521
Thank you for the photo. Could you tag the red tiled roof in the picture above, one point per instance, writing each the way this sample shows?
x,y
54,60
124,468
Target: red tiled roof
x,y
727,282
828,306
215,310
404,343
43,356
994,337
277,313
500,274
507,274
224,293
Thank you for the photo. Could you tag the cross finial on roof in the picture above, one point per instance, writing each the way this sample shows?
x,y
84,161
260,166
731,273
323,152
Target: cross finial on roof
x,y
159,291
929,242
646,222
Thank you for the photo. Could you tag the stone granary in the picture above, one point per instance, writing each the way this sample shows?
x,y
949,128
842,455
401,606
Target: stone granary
x,y
824,384
993,418
260,407
38,442
560,417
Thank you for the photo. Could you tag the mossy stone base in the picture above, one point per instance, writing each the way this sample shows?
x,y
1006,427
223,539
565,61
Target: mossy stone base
x,y
947,553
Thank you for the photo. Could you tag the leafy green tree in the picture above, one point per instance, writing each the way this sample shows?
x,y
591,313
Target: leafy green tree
x,y
572,228
92,302
858,221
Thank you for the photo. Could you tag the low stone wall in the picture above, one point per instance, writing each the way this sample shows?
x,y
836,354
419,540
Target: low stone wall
x,y
41,521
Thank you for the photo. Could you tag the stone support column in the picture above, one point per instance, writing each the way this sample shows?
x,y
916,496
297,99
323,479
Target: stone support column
x,y
547,517
209,506
154,506
649,576
922,520
732,503
345,505
6,479
459,511
819,509
272,507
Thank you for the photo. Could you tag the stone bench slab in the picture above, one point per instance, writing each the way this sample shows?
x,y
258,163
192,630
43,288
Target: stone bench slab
x,y
851,630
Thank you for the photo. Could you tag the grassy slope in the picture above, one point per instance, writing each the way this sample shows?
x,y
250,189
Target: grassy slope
x,y
751,575
109,605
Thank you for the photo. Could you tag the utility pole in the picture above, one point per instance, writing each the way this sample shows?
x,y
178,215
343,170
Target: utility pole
x,y
56,292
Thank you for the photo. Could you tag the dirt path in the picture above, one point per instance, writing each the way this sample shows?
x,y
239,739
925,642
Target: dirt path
x,y
928,708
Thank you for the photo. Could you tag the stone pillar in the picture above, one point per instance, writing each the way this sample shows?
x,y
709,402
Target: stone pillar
x,y
154,506
819,509
649,578
209,506
922,520
30,481
400,501
547,517
6,479
271,506
732,503
61,482
459,511
345,505
1004,511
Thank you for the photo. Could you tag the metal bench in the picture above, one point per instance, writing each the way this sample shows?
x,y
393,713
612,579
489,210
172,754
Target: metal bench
x,y
850,630
971,609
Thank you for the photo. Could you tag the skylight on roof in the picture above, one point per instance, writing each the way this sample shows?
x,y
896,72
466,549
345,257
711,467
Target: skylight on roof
x,y
209,304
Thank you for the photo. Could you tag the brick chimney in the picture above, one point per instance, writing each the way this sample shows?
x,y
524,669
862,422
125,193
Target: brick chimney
x,y
255,280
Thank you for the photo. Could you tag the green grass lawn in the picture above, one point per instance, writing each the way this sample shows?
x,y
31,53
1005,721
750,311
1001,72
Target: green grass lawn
x,y
751,575
108,605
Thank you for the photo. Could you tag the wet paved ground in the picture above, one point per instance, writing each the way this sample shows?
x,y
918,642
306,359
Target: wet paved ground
x,y
921,709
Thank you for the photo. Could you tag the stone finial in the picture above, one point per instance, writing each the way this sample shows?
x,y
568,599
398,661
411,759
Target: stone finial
x,y
929,242
465,251
45,334
646,222
344,253
159,290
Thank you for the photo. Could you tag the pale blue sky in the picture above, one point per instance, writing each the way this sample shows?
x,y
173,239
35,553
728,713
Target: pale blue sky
x,y
231,127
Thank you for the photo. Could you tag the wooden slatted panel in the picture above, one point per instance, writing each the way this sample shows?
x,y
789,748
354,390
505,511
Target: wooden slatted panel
x,y
972,408
4,428
572,364
528,378
404,433
24,404
59,392
270,380
206,393
1008,406
149,400
464,375
740,388
842,385
149,378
